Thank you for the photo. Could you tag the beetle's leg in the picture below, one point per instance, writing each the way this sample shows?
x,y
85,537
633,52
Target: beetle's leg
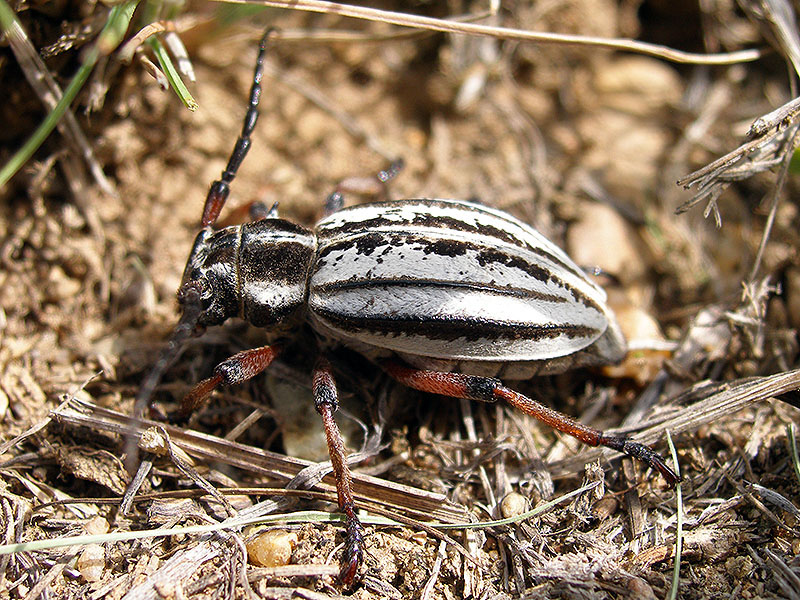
x,y
238,368
326,403
367,186
487,389
218,193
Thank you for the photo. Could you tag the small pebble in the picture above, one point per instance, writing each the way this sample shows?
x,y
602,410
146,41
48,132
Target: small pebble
x,y
92,562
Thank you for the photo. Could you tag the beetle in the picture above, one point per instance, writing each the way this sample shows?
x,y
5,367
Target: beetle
x,y
444,295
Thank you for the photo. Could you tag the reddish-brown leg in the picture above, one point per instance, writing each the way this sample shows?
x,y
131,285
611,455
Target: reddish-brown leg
x,y
326,402
238,368
375,185
486,389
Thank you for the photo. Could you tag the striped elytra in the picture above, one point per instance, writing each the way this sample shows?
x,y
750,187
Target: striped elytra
x,y
456,284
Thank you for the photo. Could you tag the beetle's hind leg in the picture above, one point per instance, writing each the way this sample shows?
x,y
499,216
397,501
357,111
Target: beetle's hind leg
x,y
486,389
326,402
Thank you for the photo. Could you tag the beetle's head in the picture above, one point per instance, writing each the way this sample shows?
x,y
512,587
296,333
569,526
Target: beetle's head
x,y
209,288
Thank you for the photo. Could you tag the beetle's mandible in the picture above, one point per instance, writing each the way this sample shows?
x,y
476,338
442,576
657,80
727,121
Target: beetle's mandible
x,y
444,295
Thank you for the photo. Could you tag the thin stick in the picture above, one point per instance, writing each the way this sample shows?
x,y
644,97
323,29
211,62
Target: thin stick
x,y
507,33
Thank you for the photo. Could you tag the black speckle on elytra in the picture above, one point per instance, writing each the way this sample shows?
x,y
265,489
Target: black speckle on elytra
x,y
366,244
446,248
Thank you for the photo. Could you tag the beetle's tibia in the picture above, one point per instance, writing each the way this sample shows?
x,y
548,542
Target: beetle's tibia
x,y
238,368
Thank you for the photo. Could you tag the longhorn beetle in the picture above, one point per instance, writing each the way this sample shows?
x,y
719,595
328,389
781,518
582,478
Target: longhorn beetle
x,y
443,295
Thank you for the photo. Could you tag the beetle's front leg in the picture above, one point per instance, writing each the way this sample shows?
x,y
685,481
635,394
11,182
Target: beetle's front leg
x,y
238,368
486,389
326,403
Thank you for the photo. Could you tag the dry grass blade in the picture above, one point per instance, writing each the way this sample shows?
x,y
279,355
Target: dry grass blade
x,y
291,593
775,196
754,156
779,23
779,118
772,136
787,578
506,33
409,500
179,568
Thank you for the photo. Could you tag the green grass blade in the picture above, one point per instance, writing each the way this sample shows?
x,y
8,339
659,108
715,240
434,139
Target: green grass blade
x,y
676,571
172,74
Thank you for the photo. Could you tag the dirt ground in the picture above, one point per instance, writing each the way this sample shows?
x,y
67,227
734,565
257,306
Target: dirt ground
x,y
585,144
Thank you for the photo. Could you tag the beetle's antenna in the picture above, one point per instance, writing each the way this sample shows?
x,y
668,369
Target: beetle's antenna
x,y
218,193
190,296
185,328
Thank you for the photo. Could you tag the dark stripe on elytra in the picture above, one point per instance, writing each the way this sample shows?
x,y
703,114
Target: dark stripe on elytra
x,y
368,243
441,222
368,284
451,328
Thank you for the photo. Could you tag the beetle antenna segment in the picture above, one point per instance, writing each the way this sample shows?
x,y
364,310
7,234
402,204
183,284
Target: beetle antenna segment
x,y
326,403
185,328
218,193
487,389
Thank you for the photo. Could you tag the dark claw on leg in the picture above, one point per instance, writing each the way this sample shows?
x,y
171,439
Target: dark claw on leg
x,y
353,554
643,453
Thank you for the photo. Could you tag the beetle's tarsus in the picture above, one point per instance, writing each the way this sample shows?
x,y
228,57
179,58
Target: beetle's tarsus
x,y
353,554
642,453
